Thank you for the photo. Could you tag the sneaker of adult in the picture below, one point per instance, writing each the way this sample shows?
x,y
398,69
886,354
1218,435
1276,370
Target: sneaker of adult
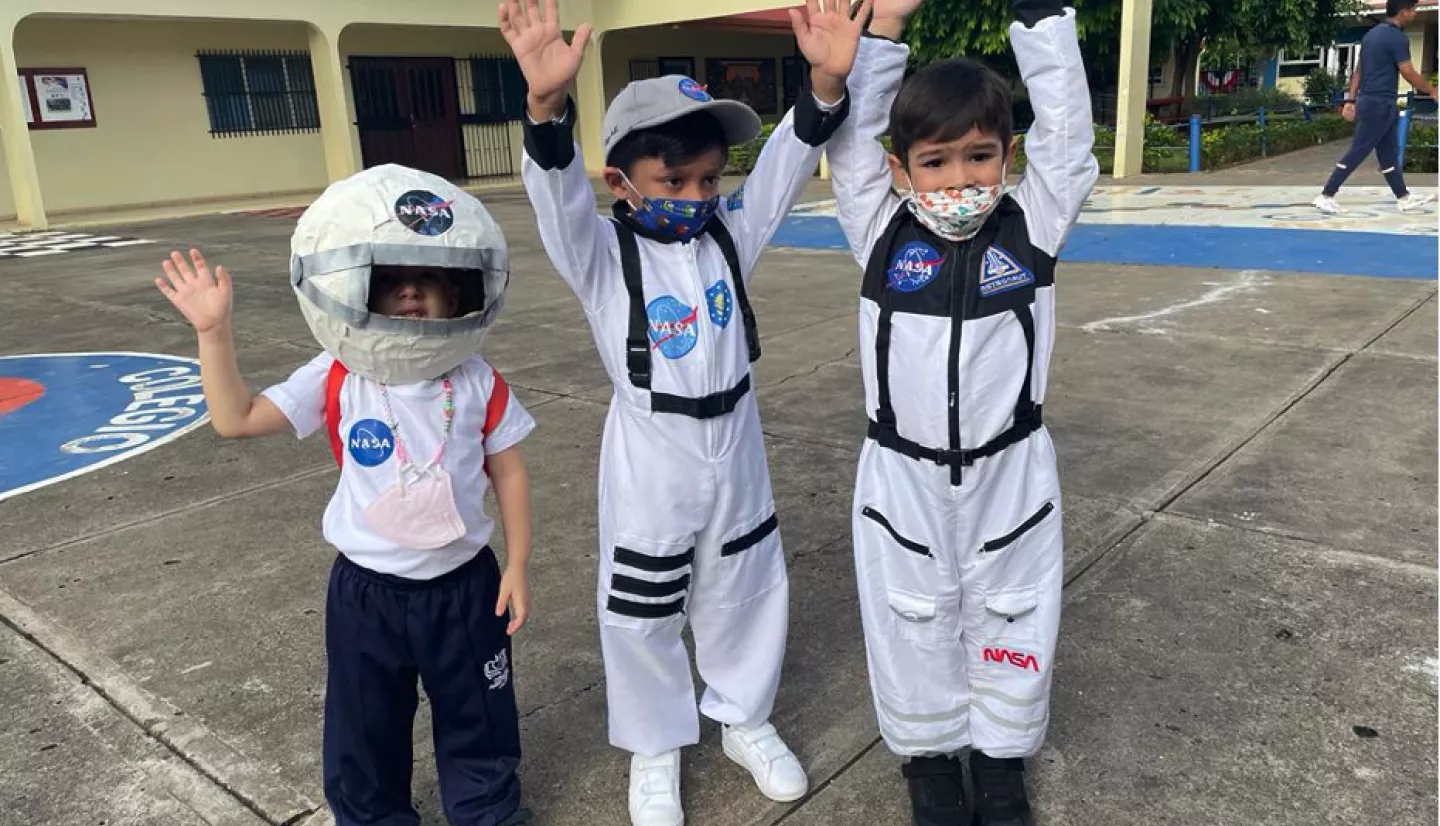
x,y
761,751
1328,205
1413,203
655,790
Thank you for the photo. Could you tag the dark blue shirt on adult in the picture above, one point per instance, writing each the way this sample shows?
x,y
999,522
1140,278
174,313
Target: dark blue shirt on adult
x,y
1382,51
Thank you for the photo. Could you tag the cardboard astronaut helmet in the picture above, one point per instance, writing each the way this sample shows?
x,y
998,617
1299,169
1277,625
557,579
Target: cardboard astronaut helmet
x,y
394,216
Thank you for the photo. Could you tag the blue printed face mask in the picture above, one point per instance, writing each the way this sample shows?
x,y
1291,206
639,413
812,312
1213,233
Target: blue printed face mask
x,y
676,217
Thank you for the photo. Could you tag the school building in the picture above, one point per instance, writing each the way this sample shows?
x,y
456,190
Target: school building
x,y
174,103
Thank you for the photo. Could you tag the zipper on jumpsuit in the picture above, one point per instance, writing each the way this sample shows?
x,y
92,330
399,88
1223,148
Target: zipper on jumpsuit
x,y
957,299
694,260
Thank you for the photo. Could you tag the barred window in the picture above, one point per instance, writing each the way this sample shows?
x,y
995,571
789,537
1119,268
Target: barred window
x,y
259,93
499,89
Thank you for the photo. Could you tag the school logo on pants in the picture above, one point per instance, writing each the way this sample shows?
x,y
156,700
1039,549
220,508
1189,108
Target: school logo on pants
x,y
497,671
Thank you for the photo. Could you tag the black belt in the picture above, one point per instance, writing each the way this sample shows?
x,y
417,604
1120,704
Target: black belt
x,y
705,407
890,438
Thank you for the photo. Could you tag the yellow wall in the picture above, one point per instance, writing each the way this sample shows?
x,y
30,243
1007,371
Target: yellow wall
x,y
151,143
665,41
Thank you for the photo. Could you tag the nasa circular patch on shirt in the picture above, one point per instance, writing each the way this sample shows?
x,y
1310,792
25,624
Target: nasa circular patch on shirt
x,y
370,442
672,326
425,212
914,266
694,91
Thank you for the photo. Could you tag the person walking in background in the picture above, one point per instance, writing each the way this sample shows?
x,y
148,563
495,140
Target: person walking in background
x,y
1384,57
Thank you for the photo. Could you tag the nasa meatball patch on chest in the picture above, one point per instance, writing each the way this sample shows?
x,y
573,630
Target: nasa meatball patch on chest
x,y
914,267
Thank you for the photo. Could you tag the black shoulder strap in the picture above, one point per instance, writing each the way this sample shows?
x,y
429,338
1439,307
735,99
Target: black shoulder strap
x,y
884,411
721,233
637,338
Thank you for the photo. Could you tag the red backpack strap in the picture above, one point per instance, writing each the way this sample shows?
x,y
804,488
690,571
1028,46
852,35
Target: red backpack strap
x,y
333,382
495,408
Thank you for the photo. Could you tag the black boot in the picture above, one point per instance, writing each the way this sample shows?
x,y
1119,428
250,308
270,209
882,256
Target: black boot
x,y
999,791
937,791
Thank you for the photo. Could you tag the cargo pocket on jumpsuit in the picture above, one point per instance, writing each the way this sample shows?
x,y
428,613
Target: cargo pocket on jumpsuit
x,y
1010,678
751,563
911,576
649,584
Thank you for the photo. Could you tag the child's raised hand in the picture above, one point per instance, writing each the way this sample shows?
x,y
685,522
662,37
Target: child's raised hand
x,y
203,300
547,61
829,37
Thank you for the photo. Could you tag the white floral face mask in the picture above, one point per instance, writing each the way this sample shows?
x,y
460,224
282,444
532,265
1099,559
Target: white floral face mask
x,y
956,214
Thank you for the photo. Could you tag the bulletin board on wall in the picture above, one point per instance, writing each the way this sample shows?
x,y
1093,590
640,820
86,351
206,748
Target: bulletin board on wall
x,y
56,98
750,81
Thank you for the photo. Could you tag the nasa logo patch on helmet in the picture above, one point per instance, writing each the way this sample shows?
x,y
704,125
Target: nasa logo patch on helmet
x,y
425,213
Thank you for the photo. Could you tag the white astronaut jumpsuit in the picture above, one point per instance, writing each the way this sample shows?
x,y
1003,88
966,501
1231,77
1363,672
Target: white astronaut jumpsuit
x,y
687,518
957,526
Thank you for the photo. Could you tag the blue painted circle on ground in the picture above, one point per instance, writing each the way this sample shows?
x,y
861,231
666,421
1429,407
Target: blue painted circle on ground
x,y
672,326
370,442
64,414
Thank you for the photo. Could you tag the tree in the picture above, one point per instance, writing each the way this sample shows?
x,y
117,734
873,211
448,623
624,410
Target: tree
x,y
977,28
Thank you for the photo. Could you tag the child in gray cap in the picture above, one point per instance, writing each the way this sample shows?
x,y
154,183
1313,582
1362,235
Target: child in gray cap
x,y
687,517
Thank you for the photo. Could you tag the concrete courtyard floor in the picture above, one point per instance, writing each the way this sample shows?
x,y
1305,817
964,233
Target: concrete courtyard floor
x,y
1249,635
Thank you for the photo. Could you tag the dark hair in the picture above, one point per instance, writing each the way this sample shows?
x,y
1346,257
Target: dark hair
x,y
1394,7
676,143
945,100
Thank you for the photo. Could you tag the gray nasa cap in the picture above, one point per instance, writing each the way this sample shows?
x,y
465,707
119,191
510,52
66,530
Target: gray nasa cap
x,y
649,103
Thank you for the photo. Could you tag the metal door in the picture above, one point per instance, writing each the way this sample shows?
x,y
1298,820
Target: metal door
x,y
406,110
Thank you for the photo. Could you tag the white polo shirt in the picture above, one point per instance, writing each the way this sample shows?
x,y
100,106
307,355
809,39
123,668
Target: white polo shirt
x,y
370,463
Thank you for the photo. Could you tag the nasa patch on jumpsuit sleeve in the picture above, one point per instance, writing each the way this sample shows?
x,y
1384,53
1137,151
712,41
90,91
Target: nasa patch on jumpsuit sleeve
x,y
1001,273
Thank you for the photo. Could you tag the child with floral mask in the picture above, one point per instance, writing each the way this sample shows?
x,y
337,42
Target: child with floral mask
x,y
957,518
688,529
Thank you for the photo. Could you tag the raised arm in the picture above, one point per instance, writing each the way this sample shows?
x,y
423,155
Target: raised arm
x,y
571,228
859,170
205,300
827,36
1061,170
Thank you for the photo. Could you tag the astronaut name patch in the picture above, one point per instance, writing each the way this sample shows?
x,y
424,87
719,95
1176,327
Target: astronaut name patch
x,y
1001,273
370,442
672,326
914,266
720,302
425,212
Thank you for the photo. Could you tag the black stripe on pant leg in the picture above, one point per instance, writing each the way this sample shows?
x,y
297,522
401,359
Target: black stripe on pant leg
x,y
646,588
653,564
645,610
751,539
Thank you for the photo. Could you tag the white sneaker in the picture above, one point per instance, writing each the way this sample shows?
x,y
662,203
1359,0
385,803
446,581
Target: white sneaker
x,y
1413,203
772,764
1327,205
655,790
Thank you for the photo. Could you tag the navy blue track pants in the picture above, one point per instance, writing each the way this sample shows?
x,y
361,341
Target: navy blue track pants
x,y
382,634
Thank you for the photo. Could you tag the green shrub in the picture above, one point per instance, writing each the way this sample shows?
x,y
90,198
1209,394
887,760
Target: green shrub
x,y
1241,102
1237,143
1420,146
743,155
1321,86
